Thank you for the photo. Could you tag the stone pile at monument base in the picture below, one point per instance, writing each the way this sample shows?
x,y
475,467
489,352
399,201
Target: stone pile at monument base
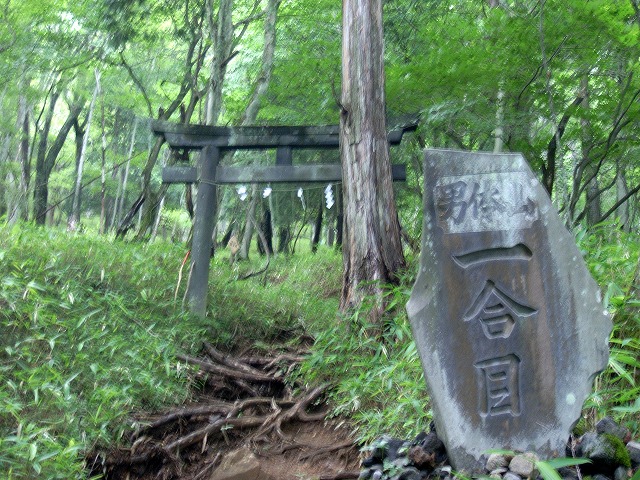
x,y
509,324
611,453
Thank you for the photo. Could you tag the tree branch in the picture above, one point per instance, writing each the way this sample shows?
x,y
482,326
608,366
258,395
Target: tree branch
x,y
630,194
549,169
137,83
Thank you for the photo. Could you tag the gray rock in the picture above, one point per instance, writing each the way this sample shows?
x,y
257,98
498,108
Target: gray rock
x,y
605,451
368,473
496,461
567,473
400,462
499,471
524,465
239,464
421,458
377,475
621,473
634,453
441,472
511,476
599,476
608,425
410,473
388,448
508,322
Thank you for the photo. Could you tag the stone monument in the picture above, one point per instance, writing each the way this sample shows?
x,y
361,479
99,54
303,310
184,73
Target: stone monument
x,y
509,324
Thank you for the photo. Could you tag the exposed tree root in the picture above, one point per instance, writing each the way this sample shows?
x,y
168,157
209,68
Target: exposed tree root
x,y
341,476
318,452
226,371
248,405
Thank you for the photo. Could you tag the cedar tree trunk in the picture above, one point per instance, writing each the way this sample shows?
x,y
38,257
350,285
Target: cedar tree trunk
x,y
372,249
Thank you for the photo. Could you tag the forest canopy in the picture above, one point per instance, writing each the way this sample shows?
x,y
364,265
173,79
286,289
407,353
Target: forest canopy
x,y
557,81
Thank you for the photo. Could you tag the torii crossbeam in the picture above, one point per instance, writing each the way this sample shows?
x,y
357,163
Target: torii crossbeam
x,y
212,140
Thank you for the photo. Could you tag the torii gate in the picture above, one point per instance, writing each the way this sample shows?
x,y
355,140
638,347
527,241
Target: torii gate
x,y
212,140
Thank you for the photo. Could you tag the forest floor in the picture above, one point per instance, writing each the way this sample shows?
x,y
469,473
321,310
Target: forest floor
x,y
246,407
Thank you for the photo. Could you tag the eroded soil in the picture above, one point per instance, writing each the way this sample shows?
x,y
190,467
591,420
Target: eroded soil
x,y
244,403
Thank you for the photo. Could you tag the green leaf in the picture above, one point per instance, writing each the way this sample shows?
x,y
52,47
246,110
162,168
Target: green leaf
x,y
547,471
566,462
33,450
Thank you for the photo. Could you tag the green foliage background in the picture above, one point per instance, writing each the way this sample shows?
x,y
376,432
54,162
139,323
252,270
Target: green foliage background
x,y
90,330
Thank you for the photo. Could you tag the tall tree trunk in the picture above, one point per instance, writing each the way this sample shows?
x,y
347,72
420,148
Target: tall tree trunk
x,y
594,210
221,29
249,222
251,112
24,158
499,130
156,223
262,82
621,191
158,218
339,219
271,228
103,171
74,218
284,237
41,188
19,208
5,207
267,228
191,69
47,156
121,194
317,228
372,248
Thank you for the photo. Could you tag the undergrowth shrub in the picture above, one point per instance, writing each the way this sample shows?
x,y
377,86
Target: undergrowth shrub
x,y
89,330
297,294
89,333
374,370
612,257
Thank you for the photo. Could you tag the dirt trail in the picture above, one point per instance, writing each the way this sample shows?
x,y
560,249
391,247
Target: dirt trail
x,y
245,404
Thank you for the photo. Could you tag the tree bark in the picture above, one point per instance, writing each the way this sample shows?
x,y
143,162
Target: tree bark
x,y
24,158
251,112
46,157
122,185
221,30
549,168
249,222
103,171
267,230
594,210
284,237
74,218
188,83
498,133
317,228
372,248
621,191
262,82
18,209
